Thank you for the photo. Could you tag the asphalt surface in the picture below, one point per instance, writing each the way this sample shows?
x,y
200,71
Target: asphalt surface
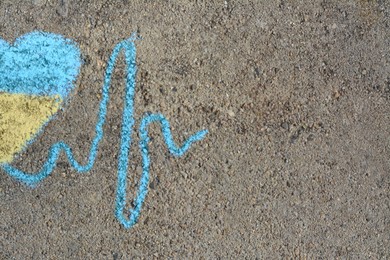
x,y
296,165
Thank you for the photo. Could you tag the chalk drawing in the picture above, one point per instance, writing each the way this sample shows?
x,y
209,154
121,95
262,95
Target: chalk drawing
x,y
57,62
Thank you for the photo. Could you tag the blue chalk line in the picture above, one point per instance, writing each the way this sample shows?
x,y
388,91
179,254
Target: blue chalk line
x,y
128,121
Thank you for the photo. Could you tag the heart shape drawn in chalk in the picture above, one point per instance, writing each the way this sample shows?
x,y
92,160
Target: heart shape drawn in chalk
x,y
37,74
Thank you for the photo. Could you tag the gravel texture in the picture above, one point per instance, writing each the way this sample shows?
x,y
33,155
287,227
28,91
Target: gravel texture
x,y
295,95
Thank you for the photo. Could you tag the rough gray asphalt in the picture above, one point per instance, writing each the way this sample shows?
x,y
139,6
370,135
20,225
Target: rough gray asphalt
x,y
295,94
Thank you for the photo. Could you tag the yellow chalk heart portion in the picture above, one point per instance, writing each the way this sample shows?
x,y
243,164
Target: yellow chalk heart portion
x,y
21,118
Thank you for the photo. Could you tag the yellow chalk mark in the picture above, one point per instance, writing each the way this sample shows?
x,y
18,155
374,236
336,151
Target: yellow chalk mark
x,y
21,118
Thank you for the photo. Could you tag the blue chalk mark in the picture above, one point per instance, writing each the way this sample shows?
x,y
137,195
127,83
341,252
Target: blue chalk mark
x,y
143,145
39,63
130,219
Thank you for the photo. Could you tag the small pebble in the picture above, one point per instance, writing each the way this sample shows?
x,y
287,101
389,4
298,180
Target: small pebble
x,y
285,125
38,2
231,113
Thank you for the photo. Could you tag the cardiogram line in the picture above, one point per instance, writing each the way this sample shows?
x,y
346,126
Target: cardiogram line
x,y
128,122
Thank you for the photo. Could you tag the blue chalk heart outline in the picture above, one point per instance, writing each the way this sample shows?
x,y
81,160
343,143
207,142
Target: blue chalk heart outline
x,y
127,218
